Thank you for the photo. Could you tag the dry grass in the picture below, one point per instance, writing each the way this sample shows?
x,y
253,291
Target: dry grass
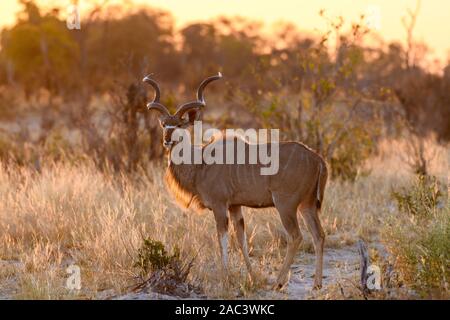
x,y
393,155
76,214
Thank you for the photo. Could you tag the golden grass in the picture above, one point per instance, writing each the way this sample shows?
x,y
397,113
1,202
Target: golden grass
x,y
393,153
75,214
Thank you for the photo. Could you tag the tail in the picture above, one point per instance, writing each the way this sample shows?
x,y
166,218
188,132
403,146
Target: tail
x,y
321,183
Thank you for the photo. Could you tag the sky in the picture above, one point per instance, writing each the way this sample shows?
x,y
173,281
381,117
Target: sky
x,y
433,24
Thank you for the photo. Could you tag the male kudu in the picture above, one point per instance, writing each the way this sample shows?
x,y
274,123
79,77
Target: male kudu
x,y
298,185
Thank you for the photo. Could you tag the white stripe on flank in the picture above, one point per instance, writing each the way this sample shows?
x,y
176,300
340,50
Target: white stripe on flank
x,y
289,159
286,172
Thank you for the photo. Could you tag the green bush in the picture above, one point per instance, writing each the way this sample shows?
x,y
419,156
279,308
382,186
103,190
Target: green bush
x,y
355,147
419,200
419,240
152,256
164,272
435,254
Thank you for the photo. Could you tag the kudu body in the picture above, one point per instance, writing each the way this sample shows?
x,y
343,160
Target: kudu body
x,y
299,184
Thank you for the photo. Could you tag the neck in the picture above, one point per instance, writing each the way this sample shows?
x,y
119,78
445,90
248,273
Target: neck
x,y
180,179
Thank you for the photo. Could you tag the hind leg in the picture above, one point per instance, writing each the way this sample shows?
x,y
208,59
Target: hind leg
x,y
288,215
312,221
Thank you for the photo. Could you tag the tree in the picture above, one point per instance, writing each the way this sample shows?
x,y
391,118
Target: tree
x,y
41,51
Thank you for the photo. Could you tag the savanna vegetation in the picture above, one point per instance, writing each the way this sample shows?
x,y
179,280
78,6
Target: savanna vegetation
x,y
82,162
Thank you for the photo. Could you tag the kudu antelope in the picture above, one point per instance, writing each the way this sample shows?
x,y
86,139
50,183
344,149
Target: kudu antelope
x,y
298,185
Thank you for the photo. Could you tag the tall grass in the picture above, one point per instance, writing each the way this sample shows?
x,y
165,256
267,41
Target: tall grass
x,y
75,214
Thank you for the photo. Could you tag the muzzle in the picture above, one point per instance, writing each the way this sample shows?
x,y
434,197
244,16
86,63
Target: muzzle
x,y
168,144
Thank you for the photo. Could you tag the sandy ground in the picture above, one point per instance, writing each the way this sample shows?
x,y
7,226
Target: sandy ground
x,y
340,265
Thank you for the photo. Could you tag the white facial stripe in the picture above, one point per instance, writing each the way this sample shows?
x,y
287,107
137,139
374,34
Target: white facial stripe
x,y
170,127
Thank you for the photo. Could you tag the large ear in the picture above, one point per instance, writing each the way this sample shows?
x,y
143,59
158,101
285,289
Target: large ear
x,y
191,116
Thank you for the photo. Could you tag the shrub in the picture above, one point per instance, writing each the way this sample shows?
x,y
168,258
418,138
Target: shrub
x,y
163,272
323,106
335,130
420,239
152,256
421,199
355,148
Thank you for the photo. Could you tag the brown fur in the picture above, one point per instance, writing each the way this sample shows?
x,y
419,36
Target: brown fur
x,y
299,184
321,183
180,181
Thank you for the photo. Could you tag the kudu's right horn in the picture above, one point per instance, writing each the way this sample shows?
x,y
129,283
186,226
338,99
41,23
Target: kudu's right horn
x,y
155,104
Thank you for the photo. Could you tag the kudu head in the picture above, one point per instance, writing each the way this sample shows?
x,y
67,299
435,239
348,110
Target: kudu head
x,y
185,115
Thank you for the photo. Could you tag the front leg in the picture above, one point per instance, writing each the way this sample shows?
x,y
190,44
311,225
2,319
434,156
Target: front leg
x,y
221,217
239,227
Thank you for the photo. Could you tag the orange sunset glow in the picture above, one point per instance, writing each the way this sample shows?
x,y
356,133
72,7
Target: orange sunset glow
x,y
205,150
432,26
